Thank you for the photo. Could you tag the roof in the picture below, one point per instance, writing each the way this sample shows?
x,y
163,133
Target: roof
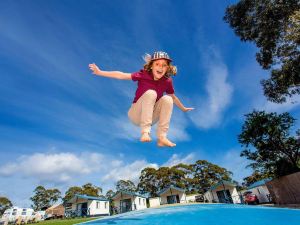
x,y
170,187
259,183
87,197
54,206
221,183
127,193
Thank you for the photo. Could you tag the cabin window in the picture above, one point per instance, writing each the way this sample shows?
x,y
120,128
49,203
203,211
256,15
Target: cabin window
x,y
98,205
139,201
105,205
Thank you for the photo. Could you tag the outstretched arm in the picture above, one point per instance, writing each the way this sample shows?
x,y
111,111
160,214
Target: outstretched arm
x,y
111,74
178,103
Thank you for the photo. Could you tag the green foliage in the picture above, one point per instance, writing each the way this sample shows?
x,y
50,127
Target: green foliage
x,y
44,198
269,145
148,181
194,178
109,194
273,25
254,177
91,190
125,185
71,192
5,203
87,189
207,174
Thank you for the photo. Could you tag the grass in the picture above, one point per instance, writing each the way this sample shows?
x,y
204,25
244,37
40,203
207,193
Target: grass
x,y
66,221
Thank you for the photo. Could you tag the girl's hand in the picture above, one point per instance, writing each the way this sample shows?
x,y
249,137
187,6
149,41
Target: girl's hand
x,y
187,109
94,68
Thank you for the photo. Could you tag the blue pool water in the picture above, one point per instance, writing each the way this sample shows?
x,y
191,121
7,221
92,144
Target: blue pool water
x,y
207,214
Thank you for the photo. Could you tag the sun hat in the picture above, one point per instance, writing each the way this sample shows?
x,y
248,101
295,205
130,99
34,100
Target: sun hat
x,y
156,55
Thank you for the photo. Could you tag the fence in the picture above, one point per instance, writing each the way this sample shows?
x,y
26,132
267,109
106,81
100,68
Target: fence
x,y
286,189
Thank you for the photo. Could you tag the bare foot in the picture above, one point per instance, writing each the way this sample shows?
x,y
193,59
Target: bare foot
x,y
165,142
145,137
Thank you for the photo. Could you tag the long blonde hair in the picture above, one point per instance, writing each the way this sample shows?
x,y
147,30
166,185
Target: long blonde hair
x,y
172,70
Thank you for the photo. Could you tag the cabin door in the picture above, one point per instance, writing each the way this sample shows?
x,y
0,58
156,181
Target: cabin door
x,y
126,205
172,199
224,196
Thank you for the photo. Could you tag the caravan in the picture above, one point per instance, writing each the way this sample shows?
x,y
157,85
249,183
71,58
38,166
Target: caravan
x,y
13,214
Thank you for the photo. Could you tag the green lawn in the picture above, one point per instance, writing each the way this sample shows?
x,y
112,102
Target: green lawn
x,y
65,221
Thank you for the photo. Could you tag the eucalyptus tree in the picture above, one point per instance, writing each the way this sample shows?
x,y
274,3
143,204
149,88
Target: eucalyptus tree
x,y
5,203
148,181
86,189
268,143
194,178
44,198
126,185
207,174
273,25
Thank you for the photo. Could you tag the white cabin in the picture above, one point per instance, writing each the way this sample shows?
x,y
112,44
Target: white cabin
x,y
223,192
84,205
172,195
128,201
169,195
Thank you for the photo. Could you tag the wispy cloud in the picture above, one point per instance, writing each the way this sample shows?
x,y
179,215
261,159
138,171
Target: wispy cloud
x,y
209,110
53,168
289,105
127,171
178,158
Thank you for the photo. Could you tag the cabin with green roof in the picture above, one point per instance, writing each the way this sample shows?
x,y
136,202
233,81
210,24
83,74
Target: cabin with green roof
x,y
84,205
223,192
125,201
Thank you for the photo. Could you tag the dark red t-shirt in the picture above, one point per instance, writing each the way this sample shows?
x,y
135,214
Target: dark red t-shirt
x,y
146,81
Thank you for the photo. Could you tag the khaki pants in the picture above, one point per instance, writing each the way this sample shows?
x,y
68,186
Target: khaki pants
x,y
146,112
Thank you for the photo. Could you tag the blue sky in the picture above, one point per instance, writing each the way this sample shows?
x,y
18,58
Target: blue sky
x,y
62,126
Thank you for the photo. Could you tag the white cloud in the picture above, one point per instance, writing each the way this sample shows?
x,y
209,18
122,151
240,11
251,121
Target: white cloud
x,y
57,168
176,159
69,168
130,171
290,104
64,168
209,111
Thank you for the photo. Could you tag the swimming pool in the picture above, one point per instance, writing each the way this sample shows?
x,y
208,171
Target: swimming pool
x,y
207,214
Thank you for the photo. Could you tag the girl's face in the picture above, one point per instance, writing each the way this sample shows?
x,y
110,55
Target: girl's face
x,y
159,68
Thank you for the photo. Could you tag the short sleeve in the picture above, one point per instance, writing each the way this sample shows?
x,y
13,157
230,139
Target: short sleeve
x,y
170,89
137,75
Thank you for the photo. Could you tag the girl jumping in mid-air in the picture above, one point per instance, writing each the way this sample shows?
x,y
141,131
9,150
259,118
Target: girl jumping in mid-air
x,y
150,105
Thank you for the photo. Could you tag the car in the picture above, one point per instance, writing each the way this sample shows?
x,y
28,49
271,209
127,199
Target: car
x,y
250,198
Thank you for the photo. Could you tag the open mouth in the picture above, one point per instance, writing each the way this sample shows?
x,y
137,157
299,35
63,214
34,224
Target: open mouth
x,y
159,72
